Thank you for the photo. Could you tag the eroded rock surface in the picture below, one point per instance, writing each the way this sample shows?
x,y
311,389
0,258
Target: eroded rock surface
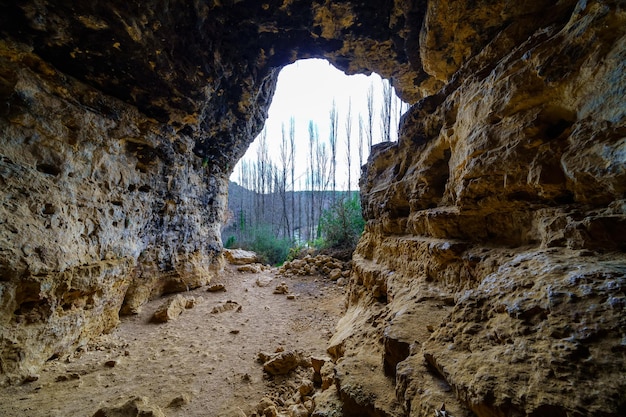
x,y
491,275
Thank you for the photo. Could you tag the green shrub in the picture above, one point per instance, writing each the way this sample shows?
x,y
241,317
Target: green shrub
x,y
294,252
342,224
269,248
230,242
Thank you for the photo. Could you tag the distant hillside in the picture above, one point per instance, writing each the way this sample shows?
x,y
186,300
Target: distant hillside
x,y
294,214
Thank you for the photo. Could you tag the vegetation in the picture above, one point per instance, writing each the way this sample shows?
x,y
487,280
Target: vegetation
x,y
278,218
342,224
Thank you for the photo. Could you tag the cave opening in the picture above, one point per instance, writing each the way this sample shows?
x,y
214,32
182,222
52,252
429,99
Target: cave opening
x,y
305,93
320,128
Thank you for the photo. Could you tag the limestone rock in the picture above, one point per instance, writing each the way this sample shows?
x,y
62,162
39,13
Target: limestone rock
x,y
328,404
172,308
281,288
250,268
317,363
136,407
317,265
240,256
226,306
263,281
216,288
267,407
335,274
282,363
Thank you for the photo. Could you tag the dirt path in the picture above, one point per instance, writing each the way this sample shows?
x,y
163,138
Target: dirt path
x,y
202,364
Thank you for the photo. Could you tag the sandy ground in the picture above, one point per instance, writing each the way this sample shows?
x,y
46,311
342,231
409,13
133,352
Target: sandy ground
x,y
202,364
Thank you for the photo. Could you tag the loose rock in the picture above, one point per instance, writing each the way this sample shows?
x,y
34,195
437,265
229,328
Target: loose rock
x,y
282,363
282,288
173,308
136,407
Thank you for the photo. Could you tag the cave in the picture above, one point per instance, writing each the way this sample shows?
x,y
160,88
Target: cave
x,y
491,276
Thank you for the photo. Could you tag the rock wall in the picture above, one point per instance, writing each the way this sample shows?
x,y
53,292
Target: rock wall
x,y
491,276
100,209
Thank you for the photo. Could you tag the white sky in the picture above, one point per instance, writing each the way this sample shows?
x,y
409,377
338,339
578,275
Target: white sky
x,y
305,90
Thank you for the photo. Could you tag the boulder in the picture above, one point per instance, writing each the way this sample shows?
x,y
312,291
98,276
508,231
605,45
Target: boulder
x,y
135,407
240,256
172,308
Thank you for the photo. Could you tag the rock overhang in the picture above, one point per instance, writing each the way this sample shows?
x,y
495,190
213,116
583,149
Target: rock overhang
x,y
208,69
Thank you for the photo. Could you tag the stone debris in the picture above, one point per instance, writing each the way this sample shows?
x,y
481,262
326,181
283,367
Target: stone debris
x,y
328,404
172,308
267,408
293,398
281,288
250,268
69,377
112,363
135,407
226,306
317,363
324,265
307,387
216,288
335,274
281,363
264,281
240,256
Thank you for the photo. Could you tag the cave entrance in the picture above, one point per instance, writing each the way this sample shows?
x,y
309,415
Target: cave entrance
x,y
305,93
289,178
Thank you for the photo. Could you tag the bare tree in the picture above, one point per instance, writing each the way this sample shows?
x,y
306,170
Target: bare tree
x,y
312,141
370,116
385,112
349,142
292,158
399,108
282,176
334,121
260,174
361,136
322,179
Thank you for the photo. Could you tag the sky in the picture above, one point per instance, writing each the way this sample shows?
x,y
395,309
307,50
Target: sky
x,y
305,90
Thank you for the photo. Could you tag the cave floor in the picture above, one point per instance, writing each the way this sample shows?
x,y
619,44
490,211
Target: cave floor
x,y
201,364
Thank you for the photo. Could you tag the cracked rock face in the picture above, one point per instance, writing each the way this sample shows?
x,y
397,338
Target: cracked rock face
x,y
490,277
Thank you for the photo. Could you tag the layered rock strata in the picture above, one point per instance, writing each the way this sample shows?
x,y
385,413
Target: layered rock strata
x,y
491,277
491,274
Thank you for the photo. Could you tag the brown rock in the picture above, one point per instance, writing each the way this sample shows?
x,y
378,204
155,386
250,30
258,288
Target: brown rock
x,y
282,363
226,306
281,288
136,407
335,274
240,256
264,281
172,308
250,268
216,288
306,388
